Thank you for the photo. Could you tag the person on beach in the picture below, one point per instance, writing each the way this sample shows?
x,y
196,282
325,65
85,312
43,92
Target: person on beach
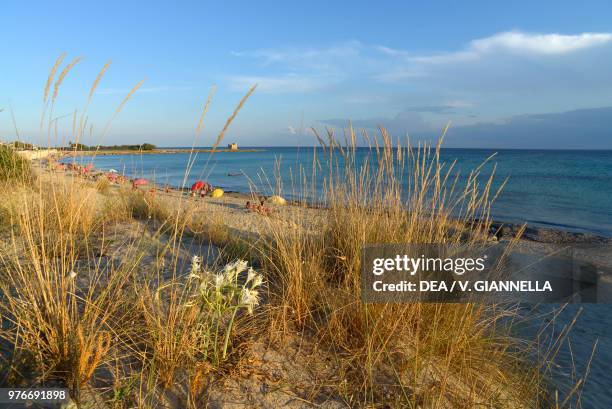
x,y
200,187
260,208
112,177
84,171
139,182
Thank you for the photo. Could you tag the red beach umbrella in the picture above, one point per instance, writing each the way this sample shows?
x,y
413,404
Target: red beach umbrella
x,y
140,182
199,185
87,168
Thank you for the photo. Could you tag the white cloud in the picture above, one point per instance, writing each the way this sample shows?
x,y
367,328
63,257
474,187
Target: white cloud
x,y
163,88
304,58
458,103
543,44
294,69
391,51
494,76
514,42
505,60
402,123
365,99
275,85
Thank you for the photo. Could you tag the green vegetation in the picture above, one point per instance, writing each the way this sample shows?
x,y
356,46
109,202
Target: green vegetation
x,y
143,147
12,166
20,145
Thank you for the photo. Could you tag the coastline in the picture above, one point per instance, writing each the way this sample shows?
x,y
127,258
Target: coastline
x,y
229,213
501,228
556,199
157,151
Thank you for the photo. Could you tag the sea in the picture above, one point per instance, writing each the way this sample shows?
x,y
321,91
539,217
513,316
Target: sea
x,y
568,190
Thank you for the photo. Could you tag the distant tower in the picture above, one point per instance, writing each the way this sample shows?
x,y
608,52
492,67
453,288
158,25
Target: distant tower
x,y
232,146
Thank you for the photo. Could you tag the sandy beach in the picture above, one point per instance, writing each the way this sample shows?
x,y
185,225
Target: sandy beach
x,y
231,211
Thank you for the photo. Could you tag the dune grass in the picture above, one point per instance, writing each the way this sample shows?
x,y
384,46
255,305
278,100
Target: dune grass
x,y
415,355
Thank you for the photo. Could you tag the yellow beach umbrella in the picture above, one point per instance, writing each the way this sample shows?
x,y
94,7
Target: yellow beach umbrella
x,y
216,193
277,200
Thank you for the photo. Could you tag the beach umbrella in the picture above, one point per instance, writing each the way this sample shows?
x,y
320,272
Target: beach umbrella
x,y
199,185
112,171
86,169
217,193
140,182
277,200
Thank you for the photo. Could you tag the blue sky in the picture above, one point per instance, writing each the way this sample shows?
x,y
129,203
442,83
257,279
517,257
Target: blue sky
x,y
412,66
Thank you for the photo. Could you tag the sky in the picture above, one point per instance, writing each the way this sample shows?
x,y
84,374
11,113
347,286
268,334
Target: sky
x,y
519,74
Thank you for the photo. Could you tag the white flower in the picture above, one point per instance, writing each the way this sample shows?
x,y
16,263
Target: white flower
x,y
219,281
249,298
251,275
232,270
196,264
72,275
257,281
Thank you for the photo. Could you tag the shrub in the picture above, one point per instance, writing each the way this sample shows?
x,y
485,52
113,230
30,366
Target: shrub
x,y
12,166
423,355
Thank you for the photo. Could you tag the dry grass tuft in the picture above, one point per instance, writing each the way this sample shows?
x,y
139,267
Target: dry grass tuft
x,y
428,355
58,297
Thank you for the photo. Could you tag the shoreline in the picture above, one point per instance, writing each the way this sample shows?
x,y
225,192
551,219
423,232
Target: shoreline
x,y
500,228
570,230
158,151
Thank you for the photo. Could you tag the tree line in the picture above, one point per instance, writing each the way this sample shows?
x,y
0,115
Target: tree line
x,y
81,147
142,147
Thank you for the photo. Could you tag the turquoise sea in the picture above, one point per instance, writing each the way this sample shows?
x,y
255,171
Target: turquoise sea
x,y
567,190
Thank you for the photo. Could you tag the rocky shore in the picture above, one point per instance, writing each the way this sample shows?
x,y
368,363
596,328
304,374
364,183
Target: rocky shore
x,y
547,235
